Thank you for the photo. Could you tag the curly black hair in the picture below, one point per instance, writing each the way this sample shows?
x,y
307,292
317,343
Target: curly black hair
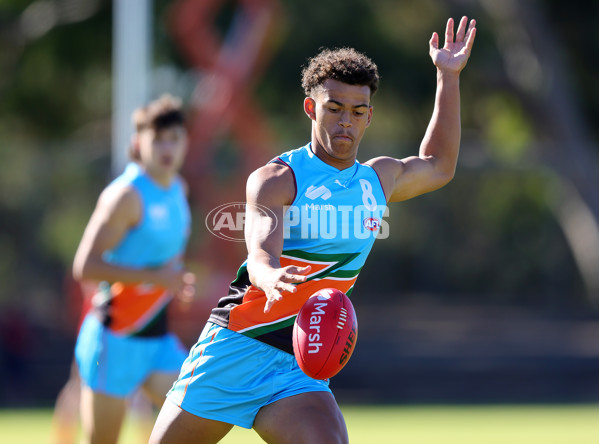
x,y
344,64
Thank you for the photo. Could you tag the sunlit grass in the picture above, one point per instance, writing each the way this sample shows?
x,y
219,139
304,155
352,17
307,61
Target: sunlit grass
x,y
545,424
470,425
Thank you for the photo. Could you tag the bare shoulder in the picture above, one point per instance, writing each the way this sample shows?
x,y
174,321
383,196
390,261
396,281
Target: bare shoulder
x,y
271,184
117,201
386,165
184,184
409,177
388,169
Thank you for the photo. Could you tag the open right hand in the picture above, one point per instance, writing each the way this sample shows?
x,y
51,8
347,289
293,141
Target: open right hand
x,y
280,280
454,55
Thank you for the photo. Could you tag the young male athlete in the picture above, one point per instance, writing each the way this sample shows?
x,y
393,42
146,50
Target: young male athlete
x,y
133,247
312,216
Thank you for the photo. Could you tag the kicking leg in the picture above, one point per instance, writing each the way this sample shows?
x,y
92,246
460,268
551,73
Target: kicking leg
x,y
308,418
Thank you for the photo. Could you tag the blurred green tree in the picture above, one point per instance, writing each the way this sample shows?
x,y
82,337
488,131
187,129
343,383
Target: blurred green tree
x,y
508,229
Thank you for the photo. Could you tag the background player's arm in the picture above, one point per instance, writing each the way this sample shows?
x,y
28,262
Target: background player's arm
x,y
435,165
118,210
270,187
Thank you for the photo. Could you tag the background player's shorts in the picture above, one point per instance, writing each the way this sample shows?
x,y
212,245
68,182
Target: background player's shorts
x,y
117,365
228,377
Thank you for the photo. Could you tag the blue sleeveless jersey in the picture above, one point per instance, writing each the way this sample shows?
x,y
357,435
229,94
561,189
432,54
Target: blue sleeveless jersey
x,y
332,224
164,227
160,236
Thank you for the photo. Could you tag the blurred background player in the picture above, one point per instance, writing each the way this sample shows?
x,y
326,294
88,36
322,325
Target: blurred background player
x,y
132,248
65,419
242,370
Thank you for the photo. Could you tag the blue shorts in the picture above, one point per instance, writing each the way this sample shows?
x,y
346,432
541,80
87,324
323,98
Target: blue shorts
x,y
228,377
117,365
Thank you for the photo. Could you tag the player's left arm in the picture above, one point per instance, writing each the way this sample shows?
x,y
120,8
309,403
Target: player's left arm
x,y
436,162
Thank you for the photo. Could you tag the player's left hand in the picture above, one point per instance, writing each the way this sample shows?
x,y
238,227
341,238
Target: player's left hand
x,y
453,56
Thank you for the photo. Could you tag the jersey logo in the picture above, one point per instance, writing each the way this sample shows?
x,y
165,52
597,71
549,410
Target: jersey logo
x,y
371,223
314,193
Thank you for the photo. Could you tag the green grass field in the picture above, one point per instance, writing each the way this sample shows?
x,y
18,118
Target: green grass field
x,y
576,424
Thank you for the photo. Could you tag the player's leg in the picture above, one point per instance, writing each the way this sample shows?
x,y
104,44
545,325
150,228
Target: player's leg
x,y
141,413
101,417
307,418
165,359
221,383
111,368
65,421
176,426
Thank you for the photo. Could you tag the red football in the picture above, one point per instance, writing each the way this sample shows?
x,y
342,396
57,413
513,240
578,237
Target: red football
x,y
325,333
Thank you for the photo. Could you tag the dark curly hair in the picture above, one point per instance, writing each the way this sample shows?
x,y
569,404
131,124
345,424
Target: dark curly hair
x,y
344,64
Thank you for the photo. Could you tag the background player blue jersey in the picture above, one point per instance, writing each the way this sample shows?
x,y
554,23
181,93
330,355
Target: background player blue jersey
x,y
160,237
164,227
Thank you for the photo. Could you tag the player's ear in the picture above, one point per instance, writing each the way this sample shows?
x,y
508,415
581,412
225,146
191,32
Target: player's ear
x,y
134,148
370,110
310,107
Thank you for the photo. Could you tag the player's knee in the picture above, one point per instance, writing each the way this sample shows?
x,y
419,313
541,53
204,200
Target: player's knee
x,y
328,435
330,431
338,429
337,438
339,433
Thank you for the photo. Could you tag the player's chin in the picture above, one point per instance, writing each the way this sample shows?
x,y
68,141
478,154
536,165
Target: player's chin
x,y
342,149
169,169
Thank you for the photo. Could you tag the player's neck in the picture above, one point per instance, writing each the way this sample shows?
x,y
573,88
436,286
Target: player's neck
x,y
163,180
